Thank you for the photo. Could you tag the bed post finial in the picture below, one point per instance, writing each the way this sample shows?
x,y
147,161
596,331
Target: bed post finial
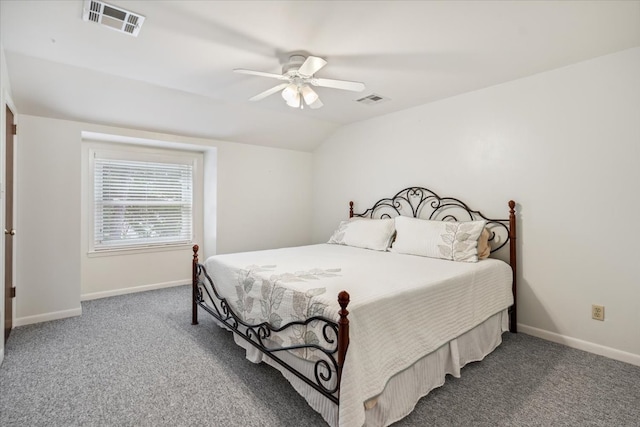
x,y
351,209
343,330
194,286
513,325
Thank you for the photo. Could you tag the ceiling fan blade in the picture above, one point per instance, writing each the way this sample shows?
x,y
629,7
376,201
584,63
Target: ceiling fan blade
x,y
261,74
268,92
338,84
311,66
317,104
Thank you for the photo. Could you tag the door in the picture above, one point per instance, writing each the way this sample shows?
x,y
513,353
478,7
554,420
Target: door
x,y
9,290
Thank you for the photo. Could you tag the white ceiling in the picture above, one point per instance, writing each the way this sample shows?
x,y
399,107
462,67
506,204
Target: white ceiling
x,y
176,76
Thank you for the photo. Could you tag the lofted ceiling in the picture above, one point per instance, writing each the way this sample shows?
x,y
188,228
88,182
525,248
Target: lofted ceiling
x,y
177,75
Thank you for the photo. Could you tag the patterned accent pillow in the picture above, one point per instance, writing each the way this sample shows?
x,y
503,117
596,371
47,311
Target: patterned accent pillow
x,y
456,241
484,248
365,233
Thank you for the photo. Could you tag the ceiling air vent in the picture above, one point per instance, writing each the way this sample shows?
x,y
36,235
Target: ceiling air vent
x,y
112,16
372,99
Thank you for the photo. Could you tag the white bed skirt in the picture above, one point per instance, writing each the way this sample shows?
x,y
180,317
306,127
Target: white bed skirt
x,y
403,391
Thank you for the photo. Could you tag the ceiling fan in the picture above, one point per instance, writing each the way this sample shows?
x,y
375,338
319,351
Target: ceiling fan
x,y
298,76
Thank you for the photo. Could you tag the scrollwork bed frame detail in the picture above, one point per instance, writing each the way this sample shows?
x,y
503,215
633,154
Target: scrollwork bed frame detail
x,y
418,202
335,335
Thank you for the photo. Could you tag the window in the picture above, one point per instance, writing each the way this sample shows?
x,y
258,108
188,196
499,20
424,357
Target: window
x,y
141,199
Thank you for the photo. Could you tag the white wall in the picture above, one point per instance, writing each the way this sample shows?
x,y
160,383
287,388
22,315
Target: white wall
x,y
253,185
264,198
48,211
565,145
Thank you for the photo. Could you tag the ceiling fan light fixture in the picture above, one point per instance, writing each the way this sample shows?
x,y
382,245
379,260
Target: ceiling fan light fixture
x,y
309,95
290,93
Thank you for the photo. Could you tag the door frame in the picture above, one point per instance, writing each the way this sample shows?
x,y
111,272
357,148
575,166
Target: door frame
x,y
8,103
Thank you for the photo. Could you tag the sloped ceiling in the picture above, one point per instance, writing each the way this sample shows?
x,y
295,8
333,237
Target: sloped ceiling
x,y
176,76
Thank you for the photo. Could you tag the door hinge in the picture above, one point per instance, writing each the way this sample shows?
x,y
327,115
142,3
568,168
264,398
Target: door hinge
x,y
13,292
14,129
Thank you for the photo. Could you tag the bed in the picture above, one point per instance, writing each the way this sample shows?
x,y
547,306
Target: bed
x,y
365,325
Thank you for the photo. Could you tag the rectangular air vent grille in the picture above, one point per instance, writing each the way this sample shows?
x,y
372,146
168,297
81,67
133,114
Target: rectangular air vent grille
x,y
112,17
372,99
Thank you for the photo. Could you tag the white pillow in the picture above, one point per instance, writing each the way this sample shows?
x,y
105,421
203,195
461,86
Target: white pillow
x,y
456,241
365,233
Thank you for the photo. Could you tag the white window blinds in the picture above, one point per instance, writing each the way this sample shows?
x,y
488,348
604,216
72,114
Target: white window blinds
x,y
141,203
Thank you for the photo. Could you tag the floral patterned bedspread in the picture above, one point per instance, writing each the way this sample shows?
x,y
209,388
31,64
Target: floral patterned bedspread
x,y
263,296
398,301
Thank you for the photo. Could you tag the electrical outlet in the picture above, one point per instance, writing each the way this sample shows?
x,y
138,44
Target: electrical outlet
x,y
597,312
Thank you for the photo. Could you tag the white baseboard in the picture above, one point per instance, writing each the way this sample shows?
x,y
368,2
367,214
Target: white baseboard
x,y
28,320
124,291
601,350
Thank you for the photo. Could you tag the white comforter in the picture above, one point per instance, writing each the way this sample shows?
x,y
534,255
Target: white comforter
x,y
402,307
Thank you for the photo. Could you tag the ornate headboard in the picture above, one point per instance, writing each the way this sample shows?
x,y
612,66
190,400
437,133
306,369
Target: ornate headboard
x,y
420,202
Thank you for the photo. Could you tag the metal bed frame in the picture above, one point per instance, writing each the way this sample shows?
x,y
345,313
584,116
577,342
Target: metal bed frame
x,y
330,353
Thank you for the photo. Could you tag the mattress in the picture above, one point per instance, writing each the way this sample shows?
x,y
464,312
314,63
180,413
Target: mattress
x,y
403,307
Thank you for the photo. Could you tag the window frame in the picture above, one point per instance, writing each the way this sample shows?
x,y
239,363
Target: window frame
x,y
121,152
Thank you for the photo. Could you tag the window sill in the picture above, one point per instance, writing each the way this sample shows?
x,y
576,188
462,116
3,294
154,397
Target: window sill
x,y
139,250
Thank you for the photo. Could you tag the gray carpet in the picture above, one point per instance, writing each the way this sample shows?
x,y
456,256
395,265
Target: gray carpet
x,y
135,360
